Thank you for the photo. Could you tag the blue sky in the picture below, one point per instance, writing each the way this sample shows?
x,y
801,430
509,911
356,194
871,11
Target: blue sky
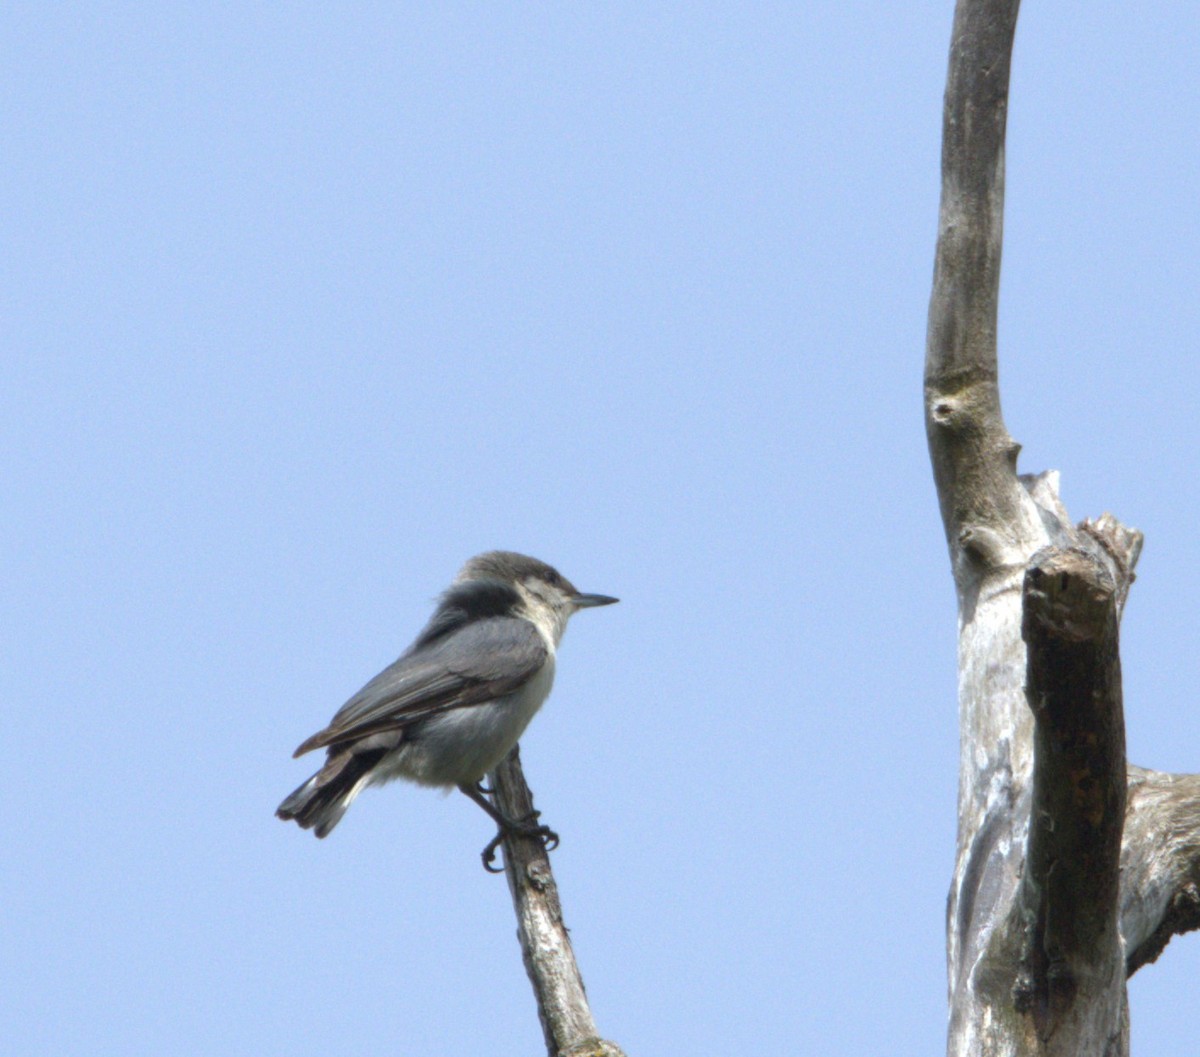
x,y
306,304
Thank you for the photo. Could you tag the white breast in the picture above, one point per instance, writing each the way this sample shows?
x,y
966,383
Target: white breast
x,y
463,744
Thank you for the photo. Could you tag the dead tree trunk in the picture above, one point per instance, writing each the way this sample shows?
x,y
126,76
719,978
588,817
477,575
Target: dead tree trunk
x,y
1072,869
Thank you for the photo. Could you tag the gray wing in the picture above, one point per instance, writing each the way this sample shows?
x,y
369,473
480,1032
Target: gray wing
x,y
479,662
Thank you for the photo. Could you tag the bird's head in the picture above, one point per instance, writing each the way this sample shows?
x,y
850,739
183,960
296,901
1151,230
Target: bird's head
x,y
546,597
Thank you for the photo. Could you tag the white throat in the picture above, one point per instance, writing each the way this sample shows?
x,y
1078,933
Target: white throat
x,y
548,618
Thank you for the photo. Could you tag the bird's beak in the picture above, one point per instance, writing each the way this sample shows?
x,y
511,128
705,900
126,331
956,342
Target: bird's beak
x,y
588,601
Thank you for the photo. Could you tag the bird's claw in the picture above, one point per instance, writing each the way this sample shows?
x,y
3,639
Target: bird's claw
x,y
489,854
525,827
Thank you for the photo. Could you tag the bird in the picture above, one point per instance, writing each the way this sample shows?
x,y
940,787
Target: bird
x,y
456,701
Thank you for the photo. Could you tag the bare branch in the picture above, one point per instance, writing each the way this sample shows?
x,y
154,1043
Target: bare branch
x,y
1122,544
993,525
985,513
1068,895
1160,863
563,1009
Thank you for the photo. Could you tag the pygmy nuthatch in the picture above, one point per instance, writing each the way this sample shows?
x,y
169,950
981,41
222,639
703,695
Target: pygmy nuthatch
x,y
454,704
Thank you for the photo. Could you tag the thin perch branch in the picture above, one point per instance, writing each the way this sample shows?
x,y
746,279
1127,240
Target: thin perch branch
x,y
567,1023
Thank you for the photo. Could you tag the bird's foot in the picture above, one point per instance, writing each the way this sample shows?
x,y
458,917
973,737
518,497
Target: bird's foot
x,y
524,827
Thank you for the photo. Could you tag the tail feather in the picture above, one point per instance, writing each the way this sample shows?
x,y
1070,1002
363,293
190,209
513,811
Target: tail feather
x,y
320,803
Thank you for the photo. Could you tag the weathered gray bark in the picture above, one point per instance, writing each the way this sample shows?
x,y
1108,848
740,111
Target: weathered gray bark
x,y
1160,863
1072,870
562,1003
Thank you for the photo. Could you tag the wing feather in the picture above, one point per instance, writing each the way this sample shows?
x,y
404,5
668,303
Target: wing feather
x,y
475,663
